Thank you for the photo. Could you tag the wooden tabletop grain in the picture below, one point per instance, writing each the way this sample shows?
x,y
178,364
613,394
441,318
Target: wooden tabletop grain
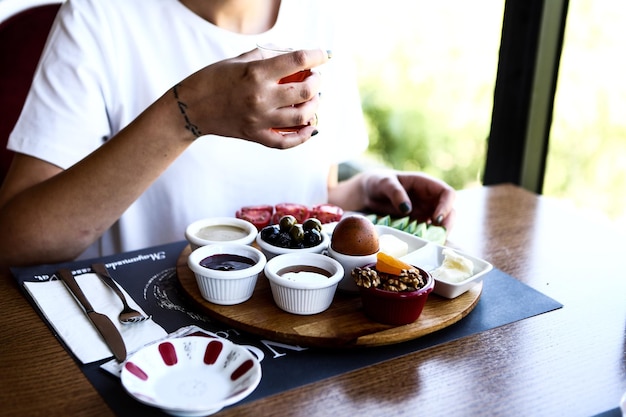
x,y
569,362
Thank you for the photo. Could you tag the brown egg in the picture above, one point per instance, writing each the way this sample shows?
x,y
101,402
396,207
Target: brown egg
x,y
355,235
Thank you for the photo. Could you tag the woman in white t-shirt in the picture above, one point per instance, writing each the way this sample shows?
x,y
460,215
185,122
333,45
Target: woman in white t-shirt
x,y
146,115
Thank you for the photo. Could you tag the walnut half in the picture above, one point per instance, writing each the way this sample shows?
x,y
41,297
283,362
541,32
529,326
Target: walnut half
x,y
408,280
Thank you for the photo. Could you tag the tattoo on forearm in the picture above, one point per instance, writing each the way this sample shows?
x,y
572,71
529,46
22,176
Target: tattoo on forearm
x,y
183,110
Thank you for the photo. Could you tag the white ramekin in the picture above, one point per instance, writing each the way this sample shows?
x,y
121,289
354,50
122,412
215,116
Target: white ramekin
x,y
299,297
226,287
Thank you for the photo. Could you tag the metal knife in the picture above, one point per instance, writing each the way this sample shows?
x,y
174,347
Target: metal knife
x,y
103,323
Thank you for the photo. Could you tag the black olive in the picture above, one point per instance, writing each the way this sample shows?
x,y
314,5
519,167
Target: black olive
x,y
312,238
312,223
286,222
269,233
283,240
297,233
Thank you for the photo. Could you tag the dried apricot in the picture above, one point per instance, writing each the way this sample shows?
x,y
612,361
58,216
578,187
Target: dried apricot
x,y
389,265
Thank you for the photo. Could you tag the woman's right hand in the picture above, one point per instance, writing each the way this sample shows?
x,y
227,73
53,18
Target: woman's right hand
x,y
241,98
238,97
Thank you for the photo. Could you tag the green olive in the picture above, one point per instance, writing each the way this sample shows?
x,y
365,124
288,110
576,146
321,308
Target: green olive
x,y
297,233
312,224
286,222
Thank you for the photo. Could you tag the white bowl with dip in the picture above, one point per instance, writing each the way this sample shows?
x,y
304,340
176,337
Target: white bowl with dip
x,y
303,283
452,279
216,230
227,273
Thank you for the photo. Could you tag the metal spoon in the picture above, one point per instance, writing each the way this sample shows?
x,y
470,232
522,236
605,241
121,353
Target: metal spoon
x,y
128,314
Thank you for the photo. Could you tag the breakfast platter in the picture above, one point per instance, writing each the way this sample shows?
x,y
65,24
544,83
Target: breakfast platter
x,y
342,325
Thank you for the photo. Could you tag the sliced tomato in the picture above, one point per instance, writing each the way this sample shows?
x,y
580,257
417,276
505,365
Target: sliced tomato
x,y
260,207
260,216
327,213
299,211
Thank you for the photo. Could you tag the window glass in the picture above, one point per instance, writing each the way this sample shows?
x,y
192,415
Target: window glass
x,y
587,151
427,72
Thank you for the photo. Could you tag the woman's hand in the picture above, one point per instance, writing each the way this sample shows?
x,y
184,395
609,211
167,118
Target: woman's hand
x,y
411,193
397,194
241,98
238,97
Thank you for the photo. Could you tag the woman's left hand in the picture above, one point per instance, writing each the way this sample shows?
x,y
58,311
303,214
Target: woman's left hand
x,y
415,194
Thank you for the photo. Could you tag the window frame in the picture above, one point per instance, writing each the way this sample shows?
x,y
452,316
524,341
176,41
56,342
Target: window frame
x,y
528,66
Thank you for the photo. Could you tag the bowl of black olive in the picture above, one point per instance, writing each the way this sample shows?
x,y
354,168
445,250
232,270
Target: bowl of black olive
x,y
289,236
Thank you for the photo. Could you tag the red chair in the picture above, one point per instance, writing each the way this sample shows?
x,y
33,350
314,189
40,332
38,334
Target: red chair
x,y
24,27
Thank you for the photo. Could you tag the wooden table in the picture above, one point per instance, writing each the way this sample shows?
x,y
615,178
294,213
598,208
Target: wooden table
x,y
569,362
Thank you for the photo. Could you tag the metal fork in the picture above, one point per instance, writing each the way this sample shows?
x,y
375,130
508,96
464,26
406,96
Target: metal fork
x,y
128,314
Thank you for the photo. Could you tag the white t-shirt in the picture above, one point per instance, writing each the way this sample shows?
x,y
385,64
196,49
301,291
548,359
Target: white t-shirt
x,y
106,61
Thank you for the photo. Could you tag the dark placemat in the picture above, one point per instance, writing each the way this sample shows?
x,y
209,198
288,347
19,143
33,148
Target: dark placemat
x,y
149,276
615,412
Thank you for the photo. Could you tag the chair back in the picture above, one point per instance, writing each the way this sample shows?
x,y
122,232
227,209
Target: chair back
x,y
24,27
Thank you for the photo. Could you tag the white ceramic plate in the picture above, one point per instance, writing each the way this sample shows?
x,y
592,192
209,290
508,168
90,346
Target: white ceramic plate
x,y
191,376
413,242
430,257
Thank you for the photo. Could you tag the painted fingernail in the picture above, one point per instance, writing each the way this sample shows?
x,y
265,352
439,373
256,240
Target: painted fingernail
x,y
439,219
329,53
404,207
315,132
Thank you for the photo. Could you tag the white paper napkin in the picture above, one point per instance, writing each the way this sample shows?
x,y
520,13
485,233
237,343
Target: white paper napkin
x,y
72,325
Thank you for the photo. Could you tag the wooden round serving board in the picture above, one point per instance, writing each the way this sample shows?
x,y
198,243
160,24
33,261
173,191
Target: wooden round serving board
x,y
343,325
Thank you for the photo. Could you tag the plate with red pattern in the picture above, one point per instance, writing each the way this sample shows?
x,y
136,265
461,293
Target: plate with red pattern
x,y
192,375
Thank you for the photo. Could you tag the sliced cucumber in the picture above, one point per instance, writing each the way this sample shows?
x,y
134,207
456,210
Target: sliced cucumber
x,y
421,229
435,234
384,221
411,227
372,217
401,223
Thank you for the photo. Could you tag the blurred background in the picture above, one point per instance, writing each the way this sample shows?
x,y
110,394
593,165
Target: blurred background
x,y
427,72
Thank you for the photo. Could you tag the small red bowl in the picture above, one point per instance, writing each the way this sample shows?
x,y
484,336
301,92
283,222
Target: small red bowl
x,y
390,307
